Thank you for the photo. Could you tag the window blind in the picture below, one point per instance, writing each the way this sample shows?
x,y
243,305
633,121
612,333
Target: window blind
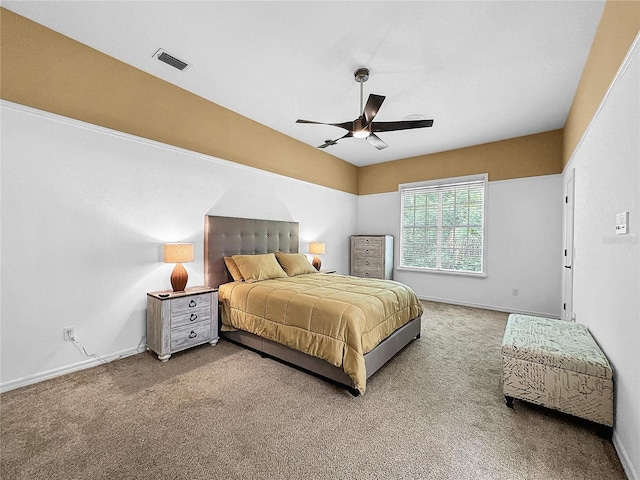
x,y
443,226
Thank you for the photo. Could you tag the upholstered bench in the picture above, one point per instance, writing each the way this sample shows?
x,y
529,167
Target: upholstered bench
x,y
557,364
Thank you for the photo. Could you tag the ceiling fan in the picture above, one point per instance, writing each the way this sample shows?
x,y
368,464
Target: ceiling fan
x,y
364,126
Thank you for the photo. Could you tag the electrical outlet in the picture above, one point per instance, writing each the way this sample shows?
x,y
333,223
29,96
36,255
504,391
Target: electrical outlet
x,y
69,333
514,292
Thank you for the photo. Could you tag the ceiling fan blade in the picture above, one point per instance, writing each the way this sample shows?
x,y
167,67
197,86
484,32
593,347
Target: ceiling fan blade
x,y
329,143
310,121
400,125
345,125
374,102
376,141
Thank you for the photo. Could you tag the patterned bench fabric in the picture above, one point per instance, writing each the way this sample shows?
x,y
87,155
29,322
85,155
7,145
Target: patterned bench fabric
x,y
557,364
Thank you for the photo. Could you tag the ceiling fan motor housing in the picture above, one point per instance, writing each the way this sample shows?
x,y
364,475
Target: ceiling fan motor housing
x,y
359,129
361,74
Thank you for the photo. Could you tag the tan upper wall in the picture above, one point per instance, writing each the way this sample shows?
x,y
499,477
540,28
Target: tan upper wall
x,y
115,95
532,155
43,69
616,32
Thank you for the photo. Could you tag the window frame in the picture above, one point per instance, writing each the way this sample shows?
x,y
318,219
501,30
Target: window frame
x,y
442,182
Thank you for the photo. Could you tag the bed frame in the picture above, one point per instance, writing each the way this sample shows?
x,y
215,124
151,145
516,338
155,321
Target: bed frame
x,y
227,236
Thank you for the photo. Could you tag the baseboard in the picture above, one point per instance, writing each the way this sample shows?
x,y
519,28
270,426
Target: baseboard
x,y
57,372
489,307
624,457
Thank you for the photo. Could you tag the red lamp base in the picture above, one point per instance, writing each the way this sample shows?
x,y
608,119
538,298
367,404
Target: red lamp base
x,y
317,263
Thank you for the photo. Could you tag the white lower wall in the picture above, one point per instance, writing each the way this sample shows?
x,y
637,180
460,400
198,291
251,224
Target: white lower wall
x,y
523,248
85,212
606,294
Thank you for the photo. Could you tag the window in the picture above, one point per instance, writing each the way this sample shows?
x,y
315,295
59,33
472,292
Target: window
x,y
443,225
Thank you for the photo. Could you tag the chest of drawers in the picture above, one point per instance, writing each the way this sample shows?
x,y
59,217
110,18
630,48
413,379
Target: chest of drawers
x,y
372,256
180,320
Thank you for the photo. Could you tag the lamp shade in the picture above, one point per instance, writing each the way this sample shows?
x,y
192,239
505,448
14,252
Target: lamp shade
x,y
178,252
317,248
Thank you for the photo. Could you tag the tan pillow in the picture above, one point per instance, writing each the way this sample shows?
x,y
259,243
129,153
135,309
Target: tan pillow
x,y
233,269
295,263
258,267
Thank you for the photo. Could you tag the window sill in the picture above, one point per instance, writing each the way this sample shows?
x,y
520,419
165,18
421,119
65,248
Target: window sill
x,y
443,272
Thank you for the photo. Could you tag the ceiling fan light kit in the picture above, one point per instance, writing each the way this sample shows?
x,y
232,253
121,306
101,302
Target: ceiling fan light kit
x,y
364,126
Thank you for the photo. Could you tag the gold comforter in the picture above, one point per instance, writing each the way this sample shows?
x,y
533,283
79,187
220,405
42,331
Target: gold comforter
x,y
333,317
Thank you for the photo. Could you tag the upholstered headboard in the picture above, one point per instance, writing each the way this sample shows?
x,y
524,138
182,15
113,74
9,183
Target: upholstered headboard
x,y
226,236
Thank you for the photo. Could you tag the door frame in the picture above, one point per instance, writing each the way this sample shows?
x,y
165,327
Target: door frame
x,y
568,257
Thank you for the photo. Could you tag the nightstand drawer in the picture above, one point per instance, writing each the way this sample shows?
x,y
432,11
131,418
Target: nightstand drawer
x,y
189,304
190,335
190,317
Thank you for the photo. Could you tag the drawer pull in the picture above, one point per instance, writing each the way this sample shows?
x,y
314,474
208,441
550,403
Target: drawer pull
x,y
193,334
367,262
193,303
366,274
366,251
192,317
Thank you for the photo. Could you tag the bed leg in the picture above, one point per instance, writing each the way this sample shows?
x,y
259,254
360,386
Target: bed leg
x,y
417,336
354,391
509,401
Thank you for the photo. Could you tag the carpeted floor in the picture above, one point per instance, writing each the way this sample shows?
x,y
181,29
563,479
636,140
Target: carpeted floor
x,y
433,412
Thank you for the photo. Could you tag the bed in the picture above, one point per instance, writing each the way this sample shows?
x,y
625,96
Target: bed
x,y
299,337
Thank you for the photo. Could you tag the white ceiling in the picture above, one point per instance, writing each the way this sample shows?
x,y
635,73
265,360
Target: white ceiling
x,y
483,70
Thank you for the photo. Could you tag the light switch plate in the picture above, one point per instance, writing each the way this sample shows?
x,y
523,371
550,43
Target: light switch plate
x,y
622,220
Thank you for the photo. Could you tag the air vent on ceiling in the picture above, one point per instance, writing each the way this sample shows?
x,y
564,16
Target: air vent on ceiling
x,y
169,59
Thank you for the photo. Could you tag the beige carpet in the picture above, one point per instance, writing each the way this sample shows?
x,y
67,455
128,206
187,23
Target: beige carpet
x,y
434,412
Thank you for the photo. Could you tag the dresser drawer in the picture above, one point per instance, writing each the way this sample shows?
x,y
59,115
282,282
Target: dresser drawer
x,y
188,304
366,242
188,318
190,335
372,252
366,263
368,272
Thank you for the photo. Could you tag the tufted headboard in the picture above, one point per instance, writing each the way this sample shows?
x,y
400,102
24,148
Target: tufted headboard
x,y
226,236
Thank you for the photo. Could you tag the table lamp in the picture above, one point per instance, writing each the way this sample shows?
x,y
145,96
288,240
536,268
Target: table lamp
x,y
178,253
316,248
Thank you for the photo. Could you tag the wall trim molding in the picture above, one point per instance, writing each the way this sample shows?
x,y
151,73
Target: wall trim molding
x,y
624,457
65,369
148,142
483,306
626,63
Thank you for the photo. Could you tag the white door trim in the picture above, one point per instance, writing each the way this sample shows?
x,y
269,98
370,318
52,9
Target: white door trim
x,y
568,256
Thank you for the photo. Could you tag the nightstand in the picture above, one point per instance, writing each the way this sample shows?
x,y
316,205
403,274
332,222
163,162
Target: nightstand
x,y
180,320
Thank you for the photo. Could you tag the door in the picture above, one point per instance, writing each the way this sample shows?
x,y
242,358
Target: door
x,y
567,294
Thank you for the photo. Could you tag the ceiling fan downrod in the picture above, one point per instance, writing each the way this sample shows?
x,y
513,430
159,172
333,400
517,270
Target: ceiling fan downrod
x,y
361,75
